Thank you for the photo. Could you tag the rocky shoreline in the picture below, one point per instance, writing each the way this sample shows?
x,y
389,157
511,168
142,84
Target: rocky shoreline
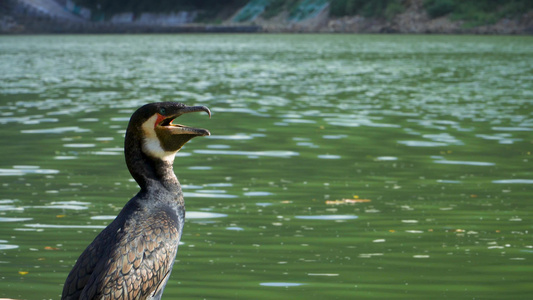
x,y
414,20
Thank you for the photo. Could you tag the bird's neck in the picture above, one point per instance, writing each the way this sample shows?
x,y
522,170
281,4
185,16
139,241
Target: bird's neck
x,y
151,173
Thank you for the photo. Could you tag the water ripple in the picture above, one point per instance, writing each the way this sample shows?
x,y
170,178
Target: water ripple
x,y
253,194
103,217
72,205
203,215
23,170
421,144
281,284
200,168
284,154
357,121
61,206
239,136
302,121
241,110
207,195
189,215
8,247
444,138
80,145
334,137
512,129
11,208
386,158
514,181
64,226
466,163
234,228
57,130
327,217
6,219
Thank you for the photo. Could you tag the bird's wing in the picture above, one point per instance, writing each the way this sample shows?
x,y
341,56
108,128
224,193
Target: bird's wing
x,y
139,263
85,266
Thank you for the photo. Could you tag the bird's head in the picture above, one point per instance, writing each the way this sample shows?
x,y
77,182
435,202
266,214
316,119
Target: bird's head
x,y
152,125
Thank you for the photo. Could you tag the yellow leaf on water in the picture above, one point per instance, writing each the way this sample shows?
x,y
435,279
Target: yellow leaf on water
x,y
23,272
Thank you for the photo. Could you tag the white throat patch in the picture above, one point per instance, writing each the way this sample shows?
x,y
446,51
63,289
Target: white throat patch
x,y
151,144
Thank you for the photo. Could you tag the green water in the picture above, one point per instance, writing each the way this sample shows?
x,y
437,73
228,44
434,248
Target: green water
x,y
339,166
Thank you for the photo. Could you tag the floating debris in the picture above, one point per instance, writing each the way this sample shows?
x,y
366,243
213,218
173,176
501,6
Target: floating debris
x,y
347,201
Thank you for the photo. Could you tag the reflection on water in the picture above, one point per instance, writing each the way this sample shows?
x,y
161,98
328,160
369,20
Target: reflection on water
x,y
514,181
208,195
339,167
281,284
23,170
468,163
249,153
3,219
190,215
64,226
204,215
7,246
58,130
327,217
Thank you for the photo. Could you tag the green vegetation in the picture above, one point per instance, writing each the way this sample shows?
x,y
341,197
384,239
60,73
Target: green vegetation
x,y
110,7
275,7
306,9
251,10
475,13
436,8
479,12
376,8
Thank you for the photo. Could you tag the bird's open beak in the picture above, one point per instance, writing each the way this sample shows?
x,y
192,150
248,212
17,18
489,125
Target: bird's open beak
x,y
166,122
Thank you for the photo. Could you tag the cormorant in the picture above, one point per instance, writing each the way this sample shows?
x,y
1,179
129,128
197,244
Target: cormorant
x,y
133,256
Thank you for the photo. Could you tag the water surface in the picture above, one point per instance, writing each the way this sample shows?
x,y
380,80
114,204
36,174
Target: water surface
x,y
339,166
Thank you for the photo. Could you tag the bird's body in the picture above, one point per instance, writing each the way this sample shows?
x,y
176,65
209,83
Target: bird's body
x,y
132,257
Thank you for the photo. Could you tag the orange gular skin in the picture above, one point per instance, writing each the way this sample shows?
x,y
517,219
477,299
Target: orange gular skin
x,y
159,119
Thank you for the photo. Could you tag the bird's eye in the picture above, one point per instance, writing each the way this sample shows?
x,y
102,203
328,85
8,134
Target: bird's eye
x,y
162,110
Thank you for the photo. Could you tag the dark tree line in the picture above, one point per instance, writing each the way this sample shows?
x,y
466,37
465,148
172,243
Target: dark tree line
x,y
138,6
476,11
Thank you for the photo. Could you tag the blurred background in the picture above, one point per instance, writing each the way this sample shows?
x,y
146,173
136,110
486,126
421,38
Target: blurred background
x,y
360,16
